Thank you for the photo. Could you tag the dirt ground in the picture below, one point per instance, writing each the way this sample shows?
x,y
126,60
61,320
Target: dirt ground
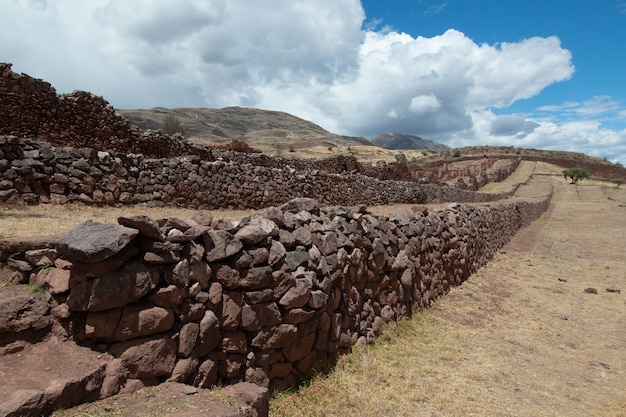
x,y
543,344
522,337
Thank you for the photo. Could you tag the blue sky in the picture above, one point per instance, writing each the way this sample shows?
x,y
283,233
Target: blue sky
x,y
592,30
542,74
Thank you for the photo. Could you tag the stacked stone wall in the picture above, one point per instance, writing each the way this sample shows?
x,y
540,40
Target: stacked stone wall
x,y
30,108
263,300
37,172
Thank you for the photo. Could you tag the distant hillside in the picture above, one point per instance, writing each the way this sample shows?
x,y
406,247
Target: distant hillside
x,y
398,141
258,128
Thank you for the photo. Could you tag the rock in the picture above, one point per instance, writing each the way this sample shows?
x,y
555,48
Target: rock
x,y
256,398
170,296
317,300
297,296
591,290
220,245
296,258
24,402
204,218
277,252
207,374
234,342
184,369
187,338
91,242
191,234
274,214
147,358
57,281
141,320
145,225
252,234
275,337
256,278
83,271
209,335
231,311
387,313
22,312
301,204
296,351
254,317
126,285
19,265
114,378
227,276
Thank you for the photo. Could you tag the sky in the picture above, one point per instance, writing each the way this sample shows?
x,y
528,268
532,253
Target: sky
x,y
543,74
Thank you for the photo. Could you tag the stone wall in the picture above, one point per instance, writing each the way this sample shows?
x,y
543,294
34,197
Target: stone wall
x,y
263,300
468,173
31,108
37,172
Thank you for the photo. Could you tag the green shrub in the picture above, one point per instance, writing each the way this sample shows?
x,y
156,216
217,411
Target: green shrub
x,y
172,124
576,174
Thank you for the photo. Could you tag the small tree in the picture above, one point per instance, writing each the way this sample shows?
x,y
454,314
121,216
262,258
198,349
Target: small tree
x,y
456,153
576,174
617,182
172,124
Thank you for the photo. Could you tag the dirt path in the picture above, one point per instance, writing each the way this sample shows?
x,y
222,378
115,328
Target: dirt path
x,y
520,338
544,345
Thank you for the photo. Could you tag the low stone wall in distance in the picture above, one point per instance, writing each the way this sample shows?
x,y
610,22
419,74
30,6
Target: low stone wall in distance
x,y
264,300
37,172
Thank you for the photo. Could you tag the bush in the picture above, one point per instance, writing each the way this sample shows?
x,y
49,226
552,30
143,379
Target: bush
x,y
456,153
172,124
576,174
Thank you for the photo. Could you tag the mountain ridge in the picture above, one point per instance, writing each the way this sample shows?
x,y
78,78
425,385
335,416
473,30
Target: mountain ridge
x,y
256,127
398,141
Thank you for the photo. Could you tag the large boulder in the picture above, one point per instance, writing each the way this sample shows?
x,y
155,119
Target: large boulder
x,y
91,242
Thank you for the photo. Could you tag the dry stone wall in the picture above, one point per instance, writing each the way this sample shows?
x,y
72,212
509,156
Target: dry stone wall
x,y
31,108
37,172
263,300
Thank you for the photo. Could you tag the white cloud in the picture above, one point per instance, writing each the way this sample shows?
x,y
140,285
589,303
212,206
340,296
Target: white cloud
x,y
512,125
312,59
425,103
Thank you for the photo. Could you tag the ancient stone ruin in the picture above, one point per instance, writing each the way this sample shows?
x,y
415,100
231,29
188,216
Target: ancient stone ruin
x,y
263,300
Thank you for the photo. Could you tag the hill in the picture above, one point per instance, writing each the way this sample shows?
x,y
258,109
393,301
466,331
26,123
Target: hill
x,y
398,141
258,128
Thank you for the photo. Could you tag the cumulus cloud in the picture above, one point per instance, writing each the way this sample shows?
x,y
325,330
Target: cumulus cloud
x,y
317,60
512,125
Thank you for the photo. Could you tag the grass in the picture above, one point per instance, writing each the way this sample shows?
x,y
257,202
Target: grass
x,y
390,377
34,288
54,219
